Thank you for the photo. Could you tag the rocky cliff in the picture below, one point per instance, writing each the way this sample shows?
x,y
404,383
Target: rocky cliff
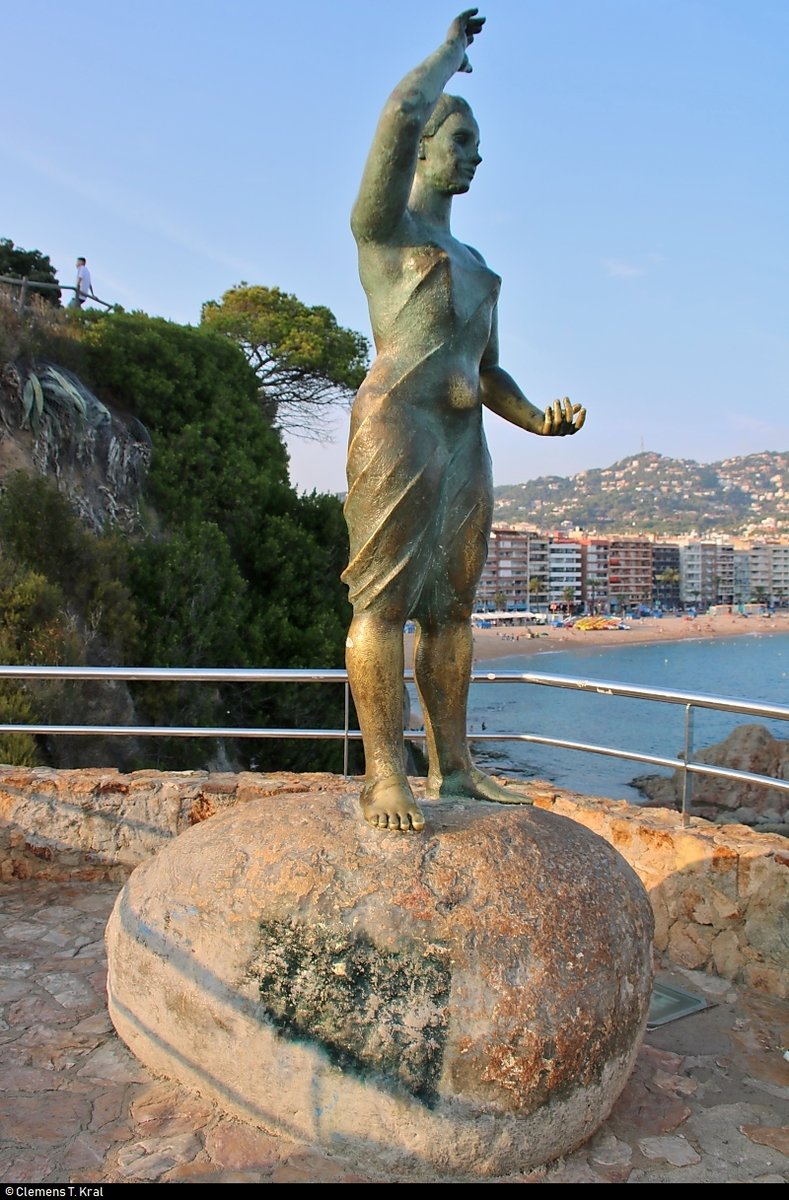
x,y
51,424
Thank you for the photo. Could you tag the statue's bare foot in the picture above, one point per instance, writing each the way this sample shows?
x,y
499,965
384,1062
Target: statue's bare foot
x,y
389,804
475,784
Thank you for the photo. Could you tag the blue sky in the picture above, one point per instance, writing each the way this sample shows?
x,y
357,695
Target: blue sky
x,y
633,195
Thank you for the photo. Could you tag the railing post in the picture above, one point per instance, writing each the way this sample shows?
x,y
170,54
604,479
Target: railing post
x,y
347,727
23,294
687,777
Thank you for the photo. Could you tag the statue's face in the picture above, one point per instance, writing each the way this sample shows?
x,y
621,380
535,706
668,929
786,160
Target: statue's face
x,y
451,156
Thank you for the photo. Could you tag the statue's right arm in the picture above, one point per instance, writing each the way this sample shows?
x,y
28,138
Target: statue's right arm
x,y
391,163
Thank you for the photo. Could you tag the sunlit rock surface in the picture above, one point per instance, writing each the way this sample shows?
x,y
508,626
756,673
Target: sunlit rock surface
x,y
468,1001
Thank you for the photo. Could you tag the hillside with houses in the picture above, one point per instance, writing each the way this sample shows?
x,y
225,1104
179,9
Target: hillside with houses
x,y
649,493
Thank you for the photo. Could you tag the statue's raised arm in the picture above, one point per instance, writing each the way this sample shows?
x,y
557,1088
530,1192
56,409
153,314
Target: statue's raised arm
x,y
419,503
391,163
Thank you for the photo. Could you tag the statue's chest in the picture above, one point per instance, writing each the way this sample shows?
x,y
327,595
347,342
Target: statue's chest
x,y
450,283
430,287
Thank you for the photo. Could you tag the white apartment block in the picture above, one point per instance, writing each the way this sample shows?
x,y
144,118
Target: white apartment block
x,y
526,569
565,572
768,565
596,588
516,571
707,570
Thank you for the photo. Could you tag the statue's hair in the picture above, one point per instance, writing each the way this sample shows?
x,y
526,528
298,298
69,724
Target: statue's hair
x,y
445,106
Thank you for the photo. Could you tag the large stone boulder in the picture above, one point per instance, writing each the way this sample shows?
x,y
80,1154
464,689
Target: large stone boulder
x,y
466,1002
749,747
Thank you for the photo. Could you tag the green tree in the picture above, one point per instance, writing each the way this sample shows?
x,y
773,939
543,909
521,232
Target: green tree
x,y
194,612
29,264
196,604
40,532
669,580
236,569
670,577
63,602
305,363
536,587
34,631
594,586
231,569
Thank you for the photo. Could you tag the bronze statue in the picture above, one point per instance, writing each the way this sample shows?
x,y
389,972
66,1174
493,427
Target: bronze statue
x,y
420,490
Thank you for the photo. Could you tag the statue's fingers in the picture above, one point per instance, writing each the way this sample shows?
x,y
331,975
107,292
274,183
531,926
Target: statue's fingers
x,y
467,20
580,418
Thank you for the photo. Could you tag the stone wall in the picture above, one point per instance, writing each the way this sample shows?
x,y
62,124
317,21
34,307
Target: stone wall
x,y
720,893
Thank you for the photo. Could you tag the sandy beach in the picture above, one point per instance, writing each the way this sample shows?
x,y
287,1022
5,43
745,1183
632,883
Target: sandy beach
x,y
500,643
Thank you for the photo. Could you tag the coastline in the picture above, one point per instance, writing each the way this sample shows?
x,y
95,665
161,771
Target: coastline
x,y
503,643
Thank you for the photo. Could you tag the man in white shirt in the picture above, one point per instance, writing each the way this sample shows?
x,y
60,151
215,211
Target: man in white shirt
x,y
84,285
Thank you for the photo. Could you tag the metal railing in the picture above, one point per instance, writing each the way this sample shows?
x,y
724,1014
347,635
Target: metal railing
x,y
691,702
34,285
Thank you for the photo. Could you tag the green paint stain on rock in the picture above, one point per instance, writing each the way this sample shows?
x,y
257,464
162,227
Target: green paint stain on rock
x,y
380,1013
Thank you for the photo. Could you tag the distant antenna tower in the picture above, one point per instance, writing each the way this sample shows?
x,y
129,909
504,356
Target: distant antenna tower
x,y
642,443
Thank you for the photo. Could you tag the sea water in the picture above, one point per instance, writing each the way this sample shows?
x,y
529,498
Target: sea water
x,y
751,667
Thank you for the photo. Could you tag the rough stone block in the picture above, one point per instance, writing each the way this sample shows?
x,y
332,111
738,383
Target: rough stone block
x,y
467,1002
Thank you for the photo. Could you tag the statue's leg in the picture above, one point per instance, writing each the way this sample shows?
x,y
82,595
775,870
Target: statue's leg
x,y
442,670
444,651
374,658
442,667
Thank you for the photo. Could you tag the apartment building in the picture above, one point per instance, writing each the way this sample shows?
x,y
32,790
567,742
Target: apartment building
x,y
565,572
708,573
768,567
594,573
526,569
629,572
515,574
742,573
665,576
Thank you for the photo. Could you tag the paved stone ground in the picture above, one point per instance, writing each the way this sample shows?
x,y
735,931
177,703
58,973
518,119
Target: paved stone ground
x,y
708,1101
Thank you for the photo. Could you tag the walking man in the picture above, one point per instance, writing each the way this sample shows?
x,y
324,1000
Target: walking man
x,y
84,285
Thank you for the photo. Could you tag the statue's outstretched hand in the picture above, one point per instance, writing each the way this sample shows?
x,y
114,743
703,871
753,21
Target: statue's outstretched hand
x,y
465,28
562,418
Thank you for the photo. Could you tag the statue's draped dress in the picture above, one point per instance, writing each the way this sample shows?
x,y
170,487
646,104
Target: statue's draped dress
x,y
420,493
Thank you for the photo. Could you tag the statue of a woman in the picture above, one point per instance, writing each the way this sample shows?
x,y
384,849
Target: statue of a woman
x,y
420,492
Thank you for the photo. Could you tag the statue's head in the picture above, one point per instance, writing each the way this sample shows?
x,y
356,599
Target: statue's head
x,y
449,145
444,107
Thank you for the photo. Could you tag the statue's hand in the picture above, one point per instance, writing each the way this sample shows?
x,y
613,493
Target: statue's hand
x,y
464,29
562,418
